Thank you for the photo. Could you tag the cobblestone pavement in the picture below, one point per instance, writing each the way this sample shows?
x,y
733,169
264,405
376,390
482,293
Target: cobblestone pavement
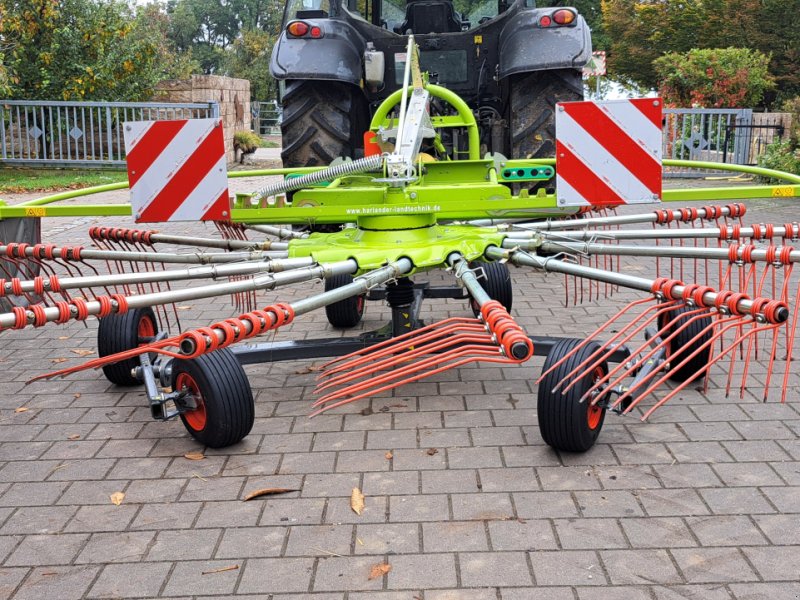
x,y
702,502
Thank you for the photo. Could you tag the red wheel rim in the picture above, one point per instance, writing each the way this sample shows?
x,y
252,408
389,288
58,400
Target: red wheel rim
x,y
359,304
594,412
146,328
196,419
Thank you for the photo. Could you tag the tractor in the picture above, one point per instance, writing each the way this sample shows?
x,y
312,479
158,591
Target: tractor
x,y
337,60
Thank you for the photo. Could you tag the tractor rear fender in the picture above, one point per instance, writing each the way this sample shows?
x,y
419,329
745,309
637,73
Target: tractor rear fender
x,y
525,47
335,57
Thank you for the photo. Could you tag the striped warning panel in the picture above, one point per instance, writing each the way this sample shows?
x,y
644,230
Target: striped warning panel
x,y
608,153
177,170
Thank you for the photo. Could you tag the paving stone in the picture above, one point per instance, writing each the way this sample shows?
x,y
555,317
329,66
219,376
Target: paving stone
x,y
32,494
665,503
747,474
10,579
654,532
614,593
608,503
38,519
418,508
174,516
473,458
91,492
358,461
57,583
184,544
568,478
319,540
522,534
187,578
127,546
387,538
737,500
579,534
347,573
779,563
393,483
494,569
56,549
212,488
454,536
459,481
726,530
251,542
408,459
290,512
121,581
766,591
713,565
567,567
339,511
149,491
482,507
537,505
102,518
685,475
538,593
682,592
460,594
639,567
422,571
780,530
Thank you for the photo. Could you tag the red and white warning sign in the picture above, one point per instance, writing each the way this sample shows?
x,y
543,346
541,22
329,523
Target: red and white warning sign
x,y
177,170
608,153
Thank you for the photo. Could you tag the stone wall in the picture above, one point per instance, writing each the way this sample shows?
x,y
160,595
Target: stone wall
x,y
233,96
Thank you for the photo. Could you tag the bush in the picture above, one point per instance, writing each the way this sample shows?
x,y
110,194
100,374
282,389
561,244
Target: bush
x,y
246,142
781,156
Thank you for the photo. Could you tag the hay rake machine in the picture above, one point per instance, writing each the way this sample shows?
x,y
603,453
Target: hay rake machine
x,y
400,213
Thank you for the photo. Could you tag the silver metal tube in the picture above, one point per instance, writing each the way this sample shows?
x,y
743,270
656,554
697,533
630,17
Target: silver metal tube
x,y
581,224
281,232
468,278
199,258
360,285
362,165
758,254
612,277
647,234
184,240
262,282
404,94
204,272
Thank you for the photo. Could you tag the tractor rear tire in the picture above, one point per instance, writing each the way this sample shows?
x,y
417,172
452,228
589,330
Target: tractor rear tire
x,y
121,332
346,313
532,106
322,120
225,410
566,423
496,283
684,344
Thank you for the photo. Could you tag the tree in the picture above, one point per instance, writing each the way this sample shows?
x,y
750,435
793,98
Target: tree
x,y
85,50
248,58
719,78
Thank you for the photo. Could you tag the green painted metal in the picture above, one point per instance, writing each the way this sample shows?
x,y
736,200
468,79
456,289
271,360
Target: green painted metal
x,y
465,117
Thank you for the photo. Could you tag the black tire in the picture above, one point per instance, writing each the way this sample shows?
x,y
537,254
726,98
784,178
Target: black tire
x,y
226,410
322,120
345,313
121,332
566,423
684,344
496,283
532,104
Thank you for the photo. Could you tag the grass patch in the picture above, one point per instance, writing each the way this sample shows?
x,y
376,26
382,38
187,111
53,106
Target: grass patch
x,y
270,144
17,181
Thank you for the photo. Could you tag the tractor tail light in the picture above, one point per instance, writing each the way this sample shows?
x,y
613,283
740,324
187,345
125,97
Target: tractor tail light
x,y
563,16
316,32
297,28
545,21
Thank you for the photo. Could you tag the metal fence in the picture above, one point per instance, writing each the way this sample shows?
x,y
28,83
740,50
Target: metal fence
x,y
79,133
266,117
723,135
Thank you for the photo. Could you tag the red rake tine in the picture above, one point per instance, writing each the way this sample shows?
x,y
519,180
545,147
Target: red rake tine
x,y
702,347
592,336
397,340
397,359
791,330
686,359
711,363
604,348
492,357
694,315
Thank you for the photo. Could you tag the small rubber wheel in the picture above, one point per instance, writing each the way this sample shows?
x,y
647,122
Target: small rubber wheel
x,y
121,332
686,342
345,313
564,422
496,282
225,408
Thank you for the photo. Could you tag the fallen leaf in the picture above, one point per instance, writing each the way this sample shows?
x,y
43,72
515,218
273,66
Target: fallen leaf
x,y
431,451
379,570
367,411
74,436
58,360
117,498
200,477
63,337
389,456
21,409
308,369
357,501
82,351
194,455
76,395
360,543
267,492
220,570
